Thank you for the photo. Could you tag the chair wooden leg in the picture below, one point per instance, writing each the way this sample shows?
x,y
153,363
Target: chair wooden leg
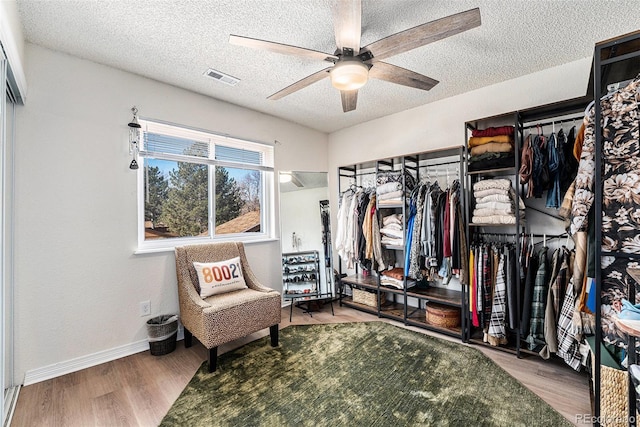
x,y
273,331
213,359
188,338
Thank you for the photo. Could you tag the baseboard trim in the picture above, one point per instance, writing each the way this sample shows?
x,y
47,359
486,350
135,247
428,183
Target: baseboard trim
x,y
58,369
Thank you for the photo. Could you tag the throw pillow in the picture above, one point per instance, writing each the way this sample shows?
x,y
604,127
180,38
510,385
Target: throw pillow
x,y
219,277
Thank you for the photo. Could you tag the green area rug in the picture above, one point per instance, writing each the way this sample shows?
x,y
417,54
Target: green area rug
x,y
357,374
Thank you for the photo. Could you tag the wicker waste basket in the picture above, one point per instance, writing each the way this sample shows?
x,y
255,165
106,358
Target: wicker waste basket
x,y
163,331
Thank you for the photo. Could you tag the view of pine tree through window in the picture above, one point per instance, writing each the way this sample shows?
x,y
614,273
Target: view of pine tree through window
x,y
177,194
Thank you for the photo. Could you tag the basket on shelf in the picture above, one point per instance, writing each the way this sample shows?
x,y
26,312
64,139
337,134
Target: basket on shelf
x,y
367,298
443,315
162,331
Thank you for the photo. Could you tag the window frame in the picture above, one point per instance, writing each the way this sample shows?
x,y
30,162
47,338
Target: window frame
x,y
267,173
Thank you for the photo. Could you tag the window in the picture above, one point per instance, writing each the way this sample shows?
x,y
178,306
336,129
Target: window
x,y
197,186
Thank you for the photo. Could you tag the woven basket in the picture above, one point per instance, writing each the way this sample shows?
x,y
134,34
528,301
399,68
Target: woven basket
x,y
163,332
367,298
443,315
614,389
614,386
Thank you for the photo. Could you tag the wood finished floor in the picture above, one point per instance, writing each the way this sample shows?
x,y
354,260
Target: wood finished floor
x,y
138,390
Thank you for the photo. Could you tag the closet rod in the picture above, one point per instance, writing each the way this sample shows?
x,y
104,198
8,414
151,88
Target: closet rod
x,y
453,173
454,162
545,213
358,174
548,236
552,122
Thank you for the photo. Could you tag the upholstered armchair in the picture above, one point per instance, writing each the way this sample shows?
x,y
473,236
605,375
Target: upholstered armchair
x,y
226,315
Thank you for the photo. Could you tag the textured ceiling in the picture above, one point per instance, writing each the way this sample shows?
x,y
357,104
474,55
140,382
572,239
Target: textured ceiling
x,y
177,41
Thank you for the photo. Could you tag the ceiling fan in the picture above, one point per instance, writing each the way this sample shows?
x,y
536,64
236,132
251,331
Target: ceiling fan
x,y
354,65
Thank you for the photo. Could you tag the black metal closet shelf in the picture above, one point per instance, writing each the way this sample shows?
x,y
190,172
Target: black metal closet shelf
x,y
493,172
471,224
614,60
406,304
537,117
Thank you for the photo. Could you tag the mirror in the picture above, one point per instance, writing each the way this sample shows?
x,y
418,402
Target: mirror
x,y
305,227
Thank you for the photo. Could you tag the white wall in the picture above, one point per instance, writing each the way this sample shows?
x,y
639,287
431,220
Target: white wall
x,y
78,281
300,213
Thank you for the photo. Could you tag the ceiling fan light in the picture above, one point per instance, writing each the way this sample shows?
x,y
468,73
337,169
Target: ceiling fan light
x,y
349,75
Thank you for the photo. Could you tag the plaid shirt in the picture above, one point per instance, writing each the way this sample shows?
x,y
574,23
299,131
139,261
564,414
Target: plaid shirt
x,y
497,332
568,347
538,303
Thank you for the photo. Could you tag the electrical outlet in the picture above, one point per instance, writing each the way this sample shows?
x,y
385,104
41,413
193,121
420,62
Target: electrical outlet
x,y
145,308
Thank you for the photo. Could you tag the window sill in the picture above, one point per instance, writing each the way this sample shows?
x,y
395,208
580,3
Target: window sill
x,y
171,248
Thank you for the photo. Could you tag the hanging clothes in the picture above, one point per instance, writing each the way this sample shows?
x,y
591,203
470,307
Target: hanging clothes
x,y
473,294
512,285
621,201
497,332
538,302
568,346
559,278
527,295
341,223
414,247
526,166
554,166
367,228
487,288
621,177
361,243
540,165
570,169
584,194
409,240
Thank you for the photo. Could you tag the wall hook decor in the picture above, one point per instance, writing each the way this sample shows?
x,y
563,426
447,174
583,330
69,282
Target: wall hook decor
x,y
134,138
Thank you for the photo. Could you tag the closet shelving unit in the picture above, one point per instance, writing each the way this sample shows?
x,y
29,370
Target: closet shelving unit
x,y
539,221
350,177
404,305
506,232
615,60
395,305
543,221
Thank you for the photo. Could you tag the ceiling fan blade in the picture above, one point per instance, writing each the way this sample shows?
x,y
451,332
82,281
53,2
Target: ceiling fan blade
x,y
347,20
349,99
394,74
424,34
284,49
301,84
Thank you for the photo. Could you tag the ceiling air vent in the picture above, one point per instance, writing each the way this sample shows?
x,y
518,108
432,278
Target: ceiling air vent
x,y
222,77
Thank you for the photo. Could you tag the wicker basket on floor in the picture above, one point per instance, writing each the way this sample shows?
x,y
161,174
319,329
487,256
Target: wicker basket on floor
x,y
367,298
614,391
614,386
443,315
